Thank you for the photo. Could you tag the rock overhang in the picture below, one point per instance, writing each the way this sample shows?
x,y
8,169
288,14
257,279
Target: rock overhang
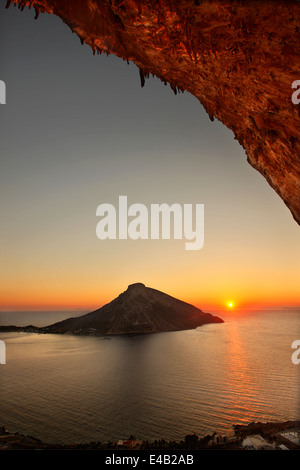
x,y
238,58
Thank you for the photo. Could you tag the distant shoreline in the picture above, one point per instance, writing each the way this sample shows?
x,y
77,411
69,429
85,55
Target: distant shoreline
x,y
83,332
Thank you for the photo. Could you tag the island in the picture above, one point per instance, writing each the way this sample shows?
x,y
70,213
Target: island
x,y
138,310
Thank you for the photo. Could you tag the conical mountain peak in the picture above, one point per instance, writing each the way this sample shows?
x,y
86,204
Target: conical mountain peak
x,y
139,309
137,287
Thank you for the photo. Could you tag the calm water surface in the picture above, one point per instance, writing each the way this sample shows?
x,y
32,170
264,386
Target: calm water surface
x,y
165,385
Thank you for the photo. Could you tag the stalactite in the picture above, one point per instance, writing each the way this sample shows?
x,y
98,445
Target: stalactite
x,y
22,5
37,12
173,88
221,52
142,77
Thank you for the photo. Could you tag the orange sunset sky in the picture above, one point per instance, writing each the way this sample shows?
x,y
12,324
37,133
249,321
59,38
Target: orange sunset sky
x,y
79,131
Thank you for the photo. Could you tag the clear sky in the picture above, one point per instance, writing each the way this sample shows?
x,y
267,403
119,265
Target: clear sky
x,y
77,131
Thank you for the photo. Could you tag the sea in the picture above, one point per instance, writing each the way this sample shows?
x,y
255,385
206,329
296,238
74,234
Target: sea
x,y
77,389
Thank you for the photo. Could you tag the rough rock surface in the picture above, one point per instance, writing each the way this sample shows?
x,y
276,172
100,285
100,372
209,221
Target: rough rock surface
x,y
139,309
239,58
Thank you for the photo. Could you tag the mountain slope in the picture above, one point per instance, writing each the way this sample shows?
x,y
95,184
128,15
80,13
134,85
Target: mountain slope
x,y
139,309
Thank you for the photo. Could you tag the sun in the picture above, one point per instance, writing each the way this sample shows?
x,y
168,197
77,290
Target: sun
x,y
230,304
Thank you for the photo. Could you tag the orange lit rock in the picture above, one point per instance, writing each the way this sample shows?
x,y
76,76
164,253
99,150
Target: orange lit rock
x,y
238,58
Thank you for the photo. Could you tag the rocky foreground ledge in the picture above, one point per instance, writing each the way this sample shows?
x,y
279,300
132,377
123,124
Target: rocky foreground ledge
x,y
254,436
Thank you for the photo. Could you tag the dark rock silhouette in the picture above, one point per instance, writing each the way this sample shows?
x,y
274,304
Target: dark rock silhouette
x,y
139,309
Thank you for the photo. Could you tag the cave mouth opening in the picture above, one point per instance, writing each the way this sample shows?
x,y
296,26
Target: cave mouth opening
x,y
221,54
180,128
